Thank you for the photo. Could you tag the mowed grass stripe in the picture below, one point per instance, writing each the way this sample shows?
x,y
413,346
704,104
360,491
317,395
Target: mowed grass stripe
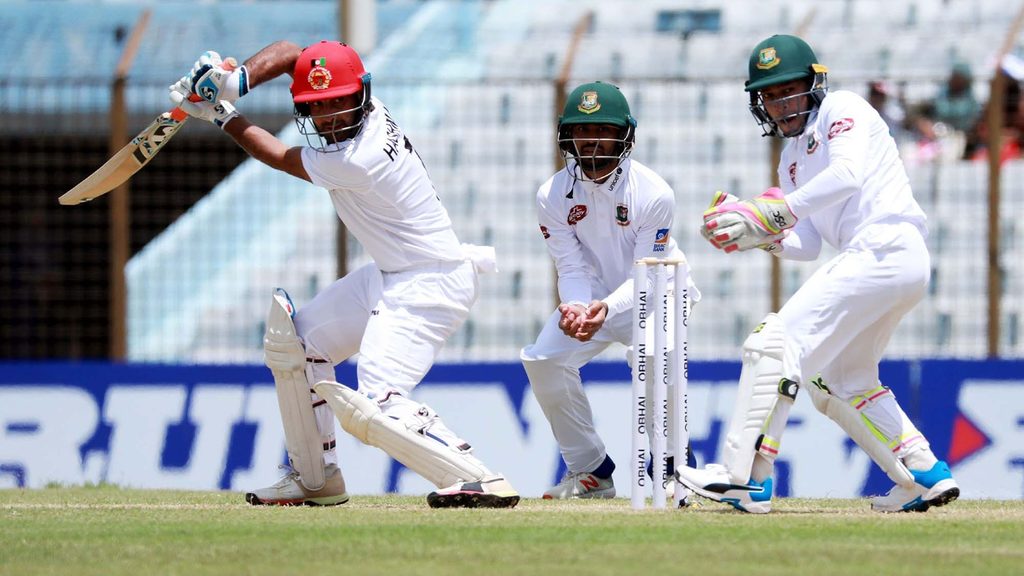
x,y
107,530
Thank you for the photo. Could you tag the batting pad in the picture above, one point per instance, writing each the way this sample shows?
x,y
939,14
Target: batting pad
x,y
756,398
362,418
284,355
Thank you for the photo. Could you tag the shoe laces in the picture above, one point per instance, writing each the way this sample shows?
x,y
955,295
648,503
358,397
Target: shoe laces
x,y
290,476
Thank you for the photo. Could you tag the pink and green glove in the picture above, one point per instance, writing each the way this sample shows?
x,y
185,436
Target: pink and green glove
x,y
758,223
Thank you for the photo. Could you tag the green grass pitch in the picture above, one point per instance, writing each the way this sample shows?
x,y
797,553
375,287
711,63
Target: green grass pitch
x,y
108,530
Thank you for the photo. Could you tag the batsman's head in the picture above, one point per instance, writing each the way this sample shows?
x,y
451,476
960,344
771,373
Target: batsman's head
x,y
596,130
331,92
786,83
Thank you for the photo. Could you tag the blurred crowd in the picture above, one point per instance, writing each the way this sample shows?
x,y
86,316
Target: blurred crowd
x,y
952,124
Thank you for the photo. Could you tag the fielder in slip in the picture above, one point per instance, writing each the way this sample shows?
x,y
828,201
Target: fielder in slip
x,y
600,214
396,312
843,183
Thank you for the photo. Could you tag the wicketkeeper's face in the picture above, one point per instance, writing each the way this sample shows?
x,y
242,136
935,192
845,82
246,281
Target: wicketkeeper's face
x,y
788,105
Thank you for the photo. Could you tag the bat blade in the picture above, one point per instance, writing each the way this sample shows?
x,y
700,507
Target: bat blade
x,y
128,160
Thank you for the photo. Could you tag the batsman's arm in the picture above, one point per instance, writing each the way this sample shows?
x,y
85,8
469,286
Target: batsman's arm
x,y
272,61
266,148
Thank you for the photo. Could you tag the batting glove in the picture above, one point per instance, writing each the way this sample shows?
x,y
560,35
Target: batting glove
x,y
754,223
213,79
218,114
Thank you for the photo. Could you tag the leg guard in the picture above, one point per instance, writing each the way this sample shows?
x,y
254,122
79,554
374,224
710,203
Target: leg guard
x,y
404,440
286,358
757,398
855,423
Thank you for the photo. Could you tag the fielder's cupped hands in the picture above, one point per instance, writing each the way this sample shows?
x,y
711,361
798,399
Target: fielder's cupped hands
x,y
731,224
582,322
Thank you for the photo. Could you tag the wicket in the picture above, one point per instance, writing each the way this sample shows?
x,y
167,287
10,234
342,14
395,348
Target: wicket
x,y
667,411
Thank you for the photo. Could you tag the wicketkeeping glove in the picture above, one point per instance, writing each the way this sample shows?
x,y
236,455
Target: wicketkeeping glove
x,y
213,79
218,114
716,201
758,223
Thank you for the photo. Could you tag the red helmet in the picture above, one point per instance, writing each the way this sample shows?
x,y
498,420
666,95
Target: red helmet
x,y
327,70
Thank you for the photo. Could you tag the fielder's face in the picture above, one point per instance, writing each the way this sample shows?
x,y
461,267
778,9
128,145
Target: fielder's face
x,y
788,105
597,148
333,117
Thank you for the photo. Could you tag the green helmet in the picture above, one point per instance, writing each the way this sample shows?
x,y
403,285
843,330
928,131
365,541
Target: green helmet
x,y
596,103
777,60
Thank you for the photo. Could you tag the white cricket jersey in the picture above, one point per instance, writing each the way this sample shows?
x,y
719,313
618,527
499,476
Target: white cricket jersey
x,y
595,232
382,193
842,175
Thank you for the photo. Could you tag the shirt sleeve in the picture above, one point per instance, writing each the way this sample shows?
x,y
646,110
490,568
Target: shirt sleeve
x,y
334,170
564,247
848,141
652,239
802,243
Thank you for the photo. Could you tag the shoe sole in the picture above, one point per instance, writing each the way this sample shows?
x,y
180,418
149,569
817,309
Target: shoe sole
x,y
471,500
942,499
255,500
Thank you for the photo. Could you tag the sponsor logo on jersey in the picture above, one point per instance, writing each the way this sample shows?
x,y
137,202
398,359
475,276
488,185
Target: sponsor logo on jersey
x,y
661,239
812,143
767,59
840,126
792,173
615,180
577,213
319,78
622,215
544,232
588,102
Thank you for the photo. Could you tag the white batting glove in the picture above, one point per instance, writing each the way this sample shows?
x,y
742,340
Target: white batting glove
x,y
754,223
218,114
213,79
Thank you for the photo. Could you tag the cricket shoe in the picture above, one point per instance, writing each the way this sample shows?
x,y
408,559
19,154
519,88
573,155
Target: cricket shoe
x,y
491,492
713,482
581,485
935,487
289,491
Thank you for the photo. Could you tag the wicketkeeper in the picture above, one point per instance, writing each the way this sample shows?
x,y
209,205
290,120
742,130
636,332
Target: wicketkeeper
x,y
597,216
842,182
396,312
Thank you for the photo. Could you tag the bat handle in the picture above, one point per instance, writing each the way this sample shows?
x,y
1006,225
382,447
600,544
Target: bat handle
x,y
179,114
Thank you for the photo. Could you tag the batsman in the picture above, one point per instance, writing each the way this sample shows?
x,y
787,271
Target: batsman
x,y
396,312
842,182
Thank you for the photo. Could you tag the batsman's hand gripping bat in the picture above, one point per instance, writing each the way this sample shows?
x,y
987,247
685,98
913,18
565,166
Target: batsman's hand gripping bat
x,y
133,156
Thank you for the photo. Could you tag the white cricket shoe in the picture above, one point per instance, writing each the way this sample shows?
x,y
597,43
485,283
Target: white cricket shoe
x,y
581,485
490,492
289,491
935,487
713,482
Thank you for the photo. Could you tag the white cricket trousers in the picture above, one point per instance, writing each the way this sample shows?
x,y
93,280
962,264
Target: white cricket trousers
x,y
397,322
840,321
553,365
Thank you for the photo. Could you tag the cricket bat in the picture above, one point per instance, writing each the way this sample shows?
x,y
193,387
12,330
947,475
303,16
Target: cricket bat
x,y
133,156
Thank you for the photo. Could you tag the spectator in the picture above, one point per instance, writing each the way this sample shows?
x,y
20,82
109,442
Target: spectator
x,y
1012,69
955,105
881,97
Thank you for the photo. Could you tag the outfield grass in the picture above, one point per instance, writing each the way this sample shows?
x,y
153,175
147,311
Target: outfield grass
x,y
107,530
